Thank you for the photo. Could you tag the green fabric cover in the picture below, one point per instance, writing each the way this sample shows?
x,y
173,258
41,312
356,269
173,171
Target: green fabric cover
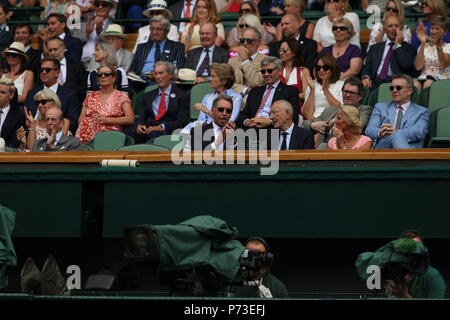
x,y
202,241
7,253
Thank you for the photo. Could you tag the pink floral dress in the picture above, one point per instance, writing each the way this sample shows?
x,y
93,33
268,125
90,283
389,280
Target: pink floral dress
x,y
93,103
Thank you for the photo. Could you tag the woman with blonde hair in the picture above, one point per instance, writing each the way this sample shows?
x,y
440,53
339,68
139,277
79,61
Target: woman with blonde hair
x,y
431,9
393,8
323,33
204,11
348,131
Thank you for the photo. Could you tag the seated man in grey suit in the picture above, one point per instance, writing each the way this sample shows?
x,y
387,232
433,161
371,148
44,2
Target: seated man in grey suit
x,y
56,141
400,124
352,93
201,59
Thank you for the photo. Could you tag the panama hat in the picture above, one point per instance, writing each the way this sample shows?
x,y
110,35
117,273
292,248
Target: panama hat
x,y
186,74
17,48
114,30
157,5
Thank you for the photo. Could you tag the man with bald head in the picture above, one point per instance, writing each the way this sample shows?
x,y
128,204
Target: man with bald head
x,y
393,56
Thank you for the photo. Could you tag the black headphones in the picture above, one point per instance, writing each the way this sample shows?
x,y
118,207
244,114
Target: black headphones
x,y
268,258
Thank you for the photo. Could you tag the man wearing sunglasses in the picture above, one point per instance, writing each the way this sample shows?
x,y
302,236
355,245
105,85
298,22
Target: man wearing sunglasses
x,y
247,64
218,134
200,59
49,71
400,124
257,108
393,56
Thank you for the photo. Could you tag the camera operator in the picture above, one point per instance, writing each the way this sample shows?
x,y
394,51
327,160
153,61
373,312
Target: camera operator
x,y
260,282
431,284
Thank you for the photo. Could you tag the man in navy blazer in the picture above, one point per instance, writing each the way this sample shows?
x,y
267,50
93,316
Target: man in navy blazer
x,y
146,54
399,124
257,107
164,109
11,118
399,59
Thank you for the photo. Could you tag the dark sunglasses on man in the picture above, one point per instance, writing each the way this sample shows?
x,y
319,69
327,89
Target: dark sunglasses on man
x,y
221,109
102,5
249,40
269,71
398,88
47,70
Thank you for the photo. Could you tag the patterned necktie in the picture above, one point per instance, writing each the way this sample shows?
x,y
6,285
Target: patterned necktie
x,y
284,143
157,53
205,65
398,123
162,107
264,100
387,62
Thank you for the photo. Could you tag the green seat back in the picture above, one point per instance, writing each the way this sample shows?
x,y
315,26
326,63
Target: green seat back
x,y
109,141
10,149
168,141
439,93
143,147
439,129
138,99
384,94
197,93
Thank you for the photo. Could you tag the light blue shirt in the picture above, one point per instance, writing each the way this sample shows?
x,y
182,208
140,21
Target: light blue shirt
x,y
157,101
57,137
202,57
265,109
149,64
288,137
209,99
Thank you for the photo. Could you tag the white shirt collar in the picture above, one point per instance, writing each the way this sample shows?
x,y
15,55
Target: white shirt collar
x,y
62,36
54,87
289,130
63,61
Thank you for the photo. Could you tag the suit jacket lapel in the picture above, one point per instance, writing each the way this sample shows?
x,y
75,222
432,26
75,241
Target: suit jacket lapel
x,y
408,113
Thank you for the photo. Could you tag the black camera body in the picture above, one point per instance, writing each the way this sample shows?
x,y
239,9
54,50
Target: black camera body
x,y
412,263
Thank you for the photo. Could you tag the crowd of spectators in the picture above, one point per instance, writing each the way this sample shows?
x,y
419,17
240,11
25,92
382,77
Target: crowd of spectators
x,y
317,71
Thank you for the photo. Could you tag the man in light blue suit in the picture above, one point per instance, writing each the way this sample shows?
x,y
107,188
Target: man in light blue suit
x,y
400,124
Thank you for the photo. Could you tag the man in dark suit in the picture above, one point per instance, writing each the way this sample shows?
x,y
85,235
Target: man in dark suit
x,y
11,118
6,34
158,48
218,134
393,56
164,109
23,33
201,59
57,27
73,74
70,104
257,107
290,137
182,9
291,29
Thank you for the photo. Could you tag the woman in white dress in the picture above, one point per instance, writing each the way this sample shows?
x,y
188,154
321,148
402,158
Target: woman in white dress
x,y
16,62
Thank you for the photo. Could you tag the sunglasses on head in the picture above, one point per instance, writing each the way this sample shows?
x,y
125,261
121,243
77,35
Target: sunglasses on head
x,y
269,71
324,67
398,88
47,70
392,9
104,74
102,5
342,28
249,40
221,109
43,101
242,26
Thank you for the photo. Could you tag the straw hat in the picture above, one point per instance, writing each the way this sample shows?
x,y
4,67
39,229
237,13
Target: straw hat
x,y
114,3
17,48
186,74
157,5
114,30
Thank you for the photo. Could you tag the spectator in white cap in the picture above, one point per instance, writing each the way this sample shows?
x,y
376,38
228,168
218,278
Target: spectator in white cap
x,y
155,8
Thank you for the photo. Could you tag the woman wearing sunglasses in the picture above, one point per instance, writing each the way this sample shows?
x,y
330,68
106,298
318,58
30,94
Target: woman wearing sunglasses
x,y
325,90
105,54
323,33
347,55
16,62
433,56
245,21
347,130
36,126
106,109
204,11
393,8
431,9
221,81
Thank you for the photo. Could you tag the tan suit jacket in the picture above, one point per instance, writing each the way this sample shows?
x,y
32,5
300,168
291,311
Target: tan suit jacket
x,y
248,74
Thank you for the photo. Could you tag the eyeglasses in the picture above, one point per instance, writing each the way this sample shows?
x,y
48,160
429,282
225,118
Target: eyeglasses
x,y
342,28
249,40
424,4
43,101
242,26
245,10
102,5
104,74
398,88
221,109
269,71
392,9
324,67
350,93
284,50
47,70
